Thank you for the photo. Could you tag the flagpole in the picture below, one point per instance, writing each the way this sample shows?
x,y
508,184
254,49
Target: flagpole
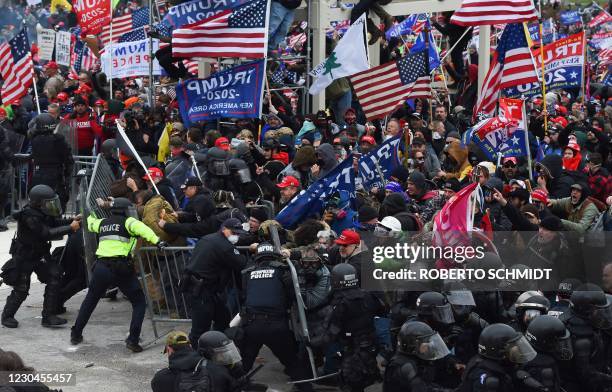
x,y
110,44
427,30
151,84
524,112
36,94
543,81
448,52
584,67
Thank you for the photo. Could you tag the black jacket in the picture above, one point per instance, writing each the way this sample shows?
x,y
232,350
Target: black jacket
x,y
197,219
214,259
35,231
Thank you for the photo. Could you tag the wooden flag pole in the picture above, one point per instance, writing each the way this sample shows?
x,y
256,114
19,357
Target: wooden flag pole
x,y
543,81
427,30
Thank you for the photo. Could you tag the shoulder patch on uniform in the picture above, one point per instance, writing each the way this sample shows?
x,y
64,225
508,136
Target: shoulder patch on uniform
x,y
483,378
236,252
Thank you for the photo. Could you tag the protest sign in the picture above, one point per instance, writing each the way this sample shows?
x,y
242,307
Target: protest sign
x,y
46,43
62,48
130,59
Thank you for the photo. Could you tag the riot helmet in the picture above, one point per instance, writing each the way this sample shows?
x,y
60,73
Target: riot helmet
x,y
266,251
45,123
461,300
218,348
529,306
344,276
240,170
43,198
548,334
435,307
501,342
120,206
591,302
418,339
217,162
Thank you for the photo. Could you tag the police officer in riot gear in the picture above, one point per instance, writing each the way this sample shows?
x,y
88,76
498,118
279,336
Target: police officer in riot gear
x,y
208,276
242,180
411,368
500,350
589,320
268,295
52,157
223,361
217,169
117,237
527,308
551,340
351,324
37,225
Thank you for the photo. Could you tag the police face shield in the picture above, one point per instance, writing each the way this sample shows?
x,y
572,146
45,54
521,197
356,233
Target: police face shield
x,y
530,314
227,355
243,175
520,351
564,350
431,348
443,314
460,298
601,316
219,168
52,207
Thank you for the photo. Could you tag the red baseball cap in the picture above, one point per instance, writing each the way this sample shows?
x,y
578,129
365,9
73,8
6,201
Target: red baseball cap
x,y
510,159
368,139
540,195
561,121
155,173
2,112
288,181
348,237
51,64
222,143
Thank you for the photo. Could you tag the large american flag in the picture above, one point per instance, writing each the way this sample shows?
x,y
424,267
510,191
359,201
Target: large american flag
x,y
125,24
489,12
511,65
82,59
239,32
16,68
382,89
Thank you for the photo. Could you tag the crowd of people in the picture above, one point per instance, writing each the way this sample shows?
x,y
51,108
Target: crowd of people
x,y
217,186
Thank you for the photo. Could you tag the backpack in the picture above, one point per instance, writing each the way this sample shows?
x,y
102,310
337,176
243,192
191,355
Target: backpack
x,y
197,380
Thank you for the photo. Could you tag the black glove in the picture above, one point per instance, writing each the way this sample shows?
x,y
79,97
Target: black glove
x,y
161,245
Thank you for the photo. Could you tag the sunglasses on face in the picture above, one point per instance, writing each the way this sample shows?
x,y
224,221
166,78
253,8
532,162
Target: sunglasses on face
x,y
509,165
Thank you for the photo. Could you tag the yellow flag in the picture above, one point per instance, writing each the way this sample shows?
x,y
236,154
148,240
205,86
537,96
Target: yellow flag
x,y
62,3
164,144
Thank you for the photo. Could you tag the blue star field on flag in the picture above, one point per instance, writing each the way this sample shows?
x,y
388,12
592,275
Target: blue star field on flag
x,y
411,68
136,35
250,15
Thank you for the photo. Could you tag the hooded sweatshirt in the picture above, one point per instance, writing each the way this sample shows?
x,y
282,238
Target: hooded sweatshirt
x,y
460,155
560,183
326,159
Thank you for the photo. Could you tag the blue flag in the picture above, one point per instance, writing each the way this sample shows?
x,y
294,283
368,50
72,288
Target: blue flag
x,y
235,92
312,200
195,11
387,157
540,153
515,145
569,17
419,44
407,26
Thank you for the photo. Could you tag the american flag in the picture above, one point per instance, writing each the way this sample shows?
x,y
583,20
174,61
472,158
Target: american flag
x,y
511,65
125,24
239,32
16,68
136,35
82,59
381,89
479,12
605,56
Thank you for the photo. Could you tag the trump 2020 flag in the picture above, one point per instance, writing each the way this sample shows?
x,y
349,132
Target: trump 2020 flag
x,y
413,24
493,136
235,92
454,221
312,200
348,58
383,160
194,11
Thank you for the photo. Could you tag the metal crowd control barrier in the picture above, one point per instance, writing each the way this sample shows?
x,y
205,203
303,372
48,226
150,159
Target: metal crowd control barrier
x,y
20,181
160,272
82,165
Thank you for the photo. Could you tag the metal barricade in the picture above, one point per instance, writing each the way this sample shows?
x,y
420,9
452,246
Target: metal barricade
x,y
81,163
160,272
20,181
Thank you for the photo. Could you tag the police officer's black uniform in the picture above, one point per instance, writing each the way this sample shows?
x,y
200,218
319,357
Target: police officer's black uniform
x,y
37,226
500,350
52,157
551,340
268,295
209,275
351,323
411,369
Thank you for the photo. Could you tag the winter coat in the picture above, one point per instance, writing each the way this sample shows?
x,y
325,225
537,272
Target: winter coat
x,y
579,217
151,215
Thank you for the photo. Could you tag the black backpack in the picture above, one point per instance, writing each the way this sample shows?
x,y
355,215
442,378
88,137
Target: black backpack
x,y
197,380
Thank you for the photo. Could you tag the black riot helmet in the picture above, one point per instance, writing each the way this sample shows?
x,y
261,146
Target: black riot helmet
x,y
217,162
218,348
529,306
461,300
44,198
45,123
589,301
344,276
418,339
501,342
266,251
548,334
120,206
434,306
240,170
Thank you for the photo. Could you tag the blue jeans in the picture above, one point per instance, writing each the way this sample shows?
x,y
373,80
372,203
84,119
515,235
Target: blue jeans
x,y
280,21
101,279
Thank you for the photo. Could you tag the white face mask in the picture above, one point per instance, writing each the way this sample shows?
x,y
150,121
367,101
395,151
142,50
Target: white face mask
x,y
233,239
246,226
387,137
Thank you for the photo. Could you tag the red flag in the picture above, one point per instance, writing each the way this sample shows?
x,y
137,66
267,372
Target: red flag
x,y
92,15
478,12
454,221
486,225
512,109
600,19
